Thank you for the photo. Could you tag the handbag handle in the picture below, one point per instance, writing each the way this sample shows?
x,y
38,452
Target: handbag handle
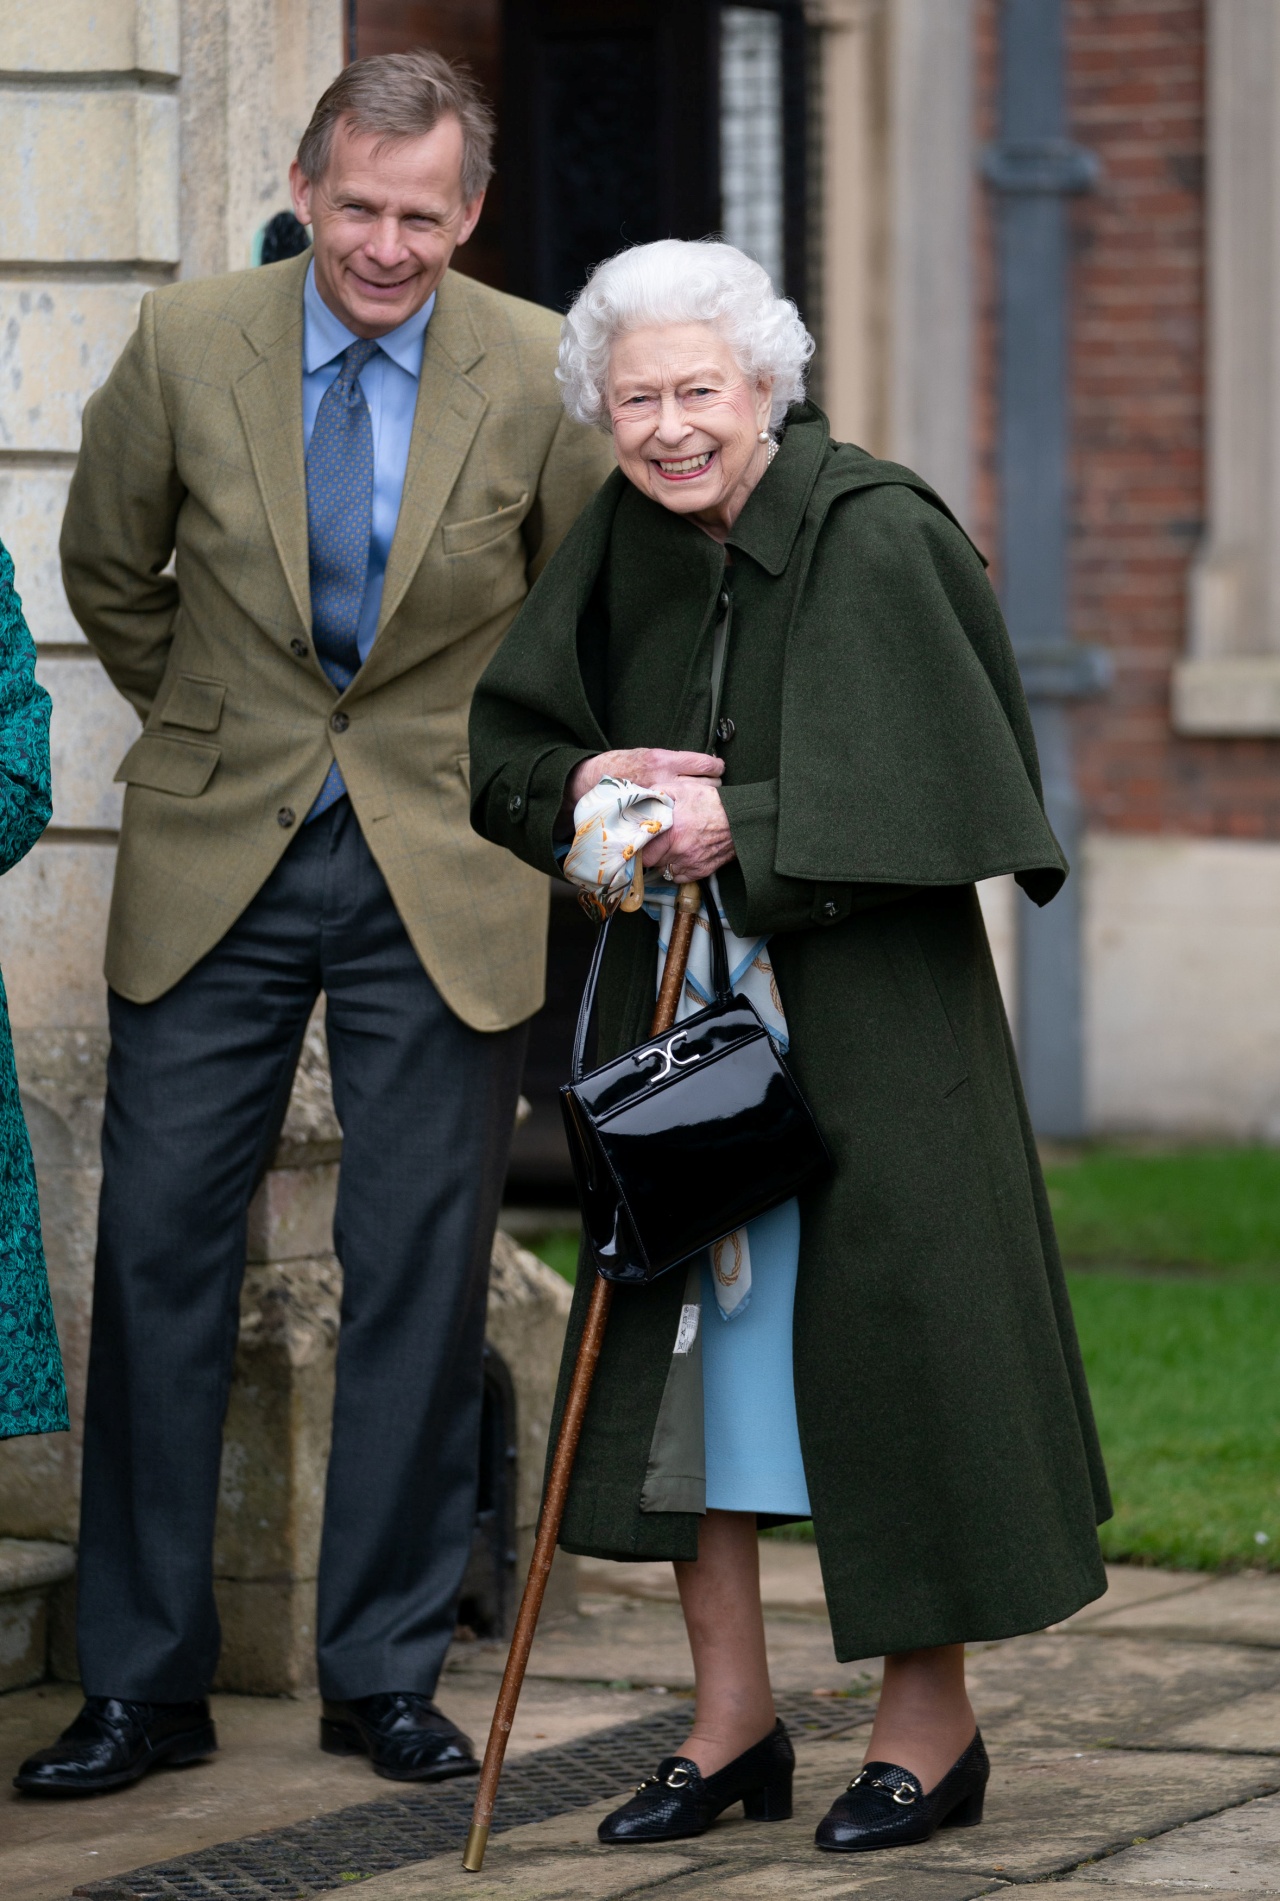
x,y
719,955
719,978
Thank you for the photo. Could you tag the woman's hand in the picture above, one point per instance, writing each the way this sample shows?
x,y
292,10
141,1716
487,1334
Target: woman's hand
x,y
699,841
643,765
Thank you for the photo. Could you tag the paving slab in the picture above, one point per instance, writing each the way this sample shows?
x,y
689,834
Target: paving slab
x,y
1239,1849
1132,1584
1098,1888
1049,1810
1232,1610
1251,1724
790,1578
1087,1691
642,1642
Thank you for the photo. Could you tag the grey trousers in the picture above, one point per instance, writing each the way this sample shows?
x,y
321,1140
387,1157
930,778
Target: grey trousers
x,y
197,1084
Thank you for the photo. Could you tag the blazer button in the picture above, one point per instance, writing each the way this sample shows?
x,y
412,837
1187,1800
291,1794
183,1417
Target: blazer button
x,y
299,647
285,817
725,731
339,722
831,909
515,805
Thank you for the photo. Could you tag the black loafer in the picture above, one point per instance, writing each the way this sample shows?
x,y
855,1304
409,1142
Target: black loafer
x,y
678,1800
404,1735
885,1807
113,1742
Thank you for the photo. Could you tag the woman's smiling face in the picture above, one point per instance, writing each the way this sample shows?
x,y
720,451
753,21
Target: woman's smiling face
x,y
686,422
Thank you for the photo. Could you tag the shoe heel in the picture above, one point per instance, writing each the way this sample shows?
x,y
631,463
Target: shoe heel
x,y
966,1814
771,1802
336,1739
197,1747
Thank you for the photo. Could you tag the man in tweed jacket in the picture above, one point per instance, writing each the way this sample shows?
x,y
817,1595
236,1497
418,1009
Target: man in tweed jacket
x,y
360,461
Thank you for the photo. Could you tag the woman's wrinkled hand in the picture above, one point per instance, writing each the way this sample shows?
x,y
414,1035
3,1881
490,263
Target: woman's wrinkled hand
x,y
643,765
699,841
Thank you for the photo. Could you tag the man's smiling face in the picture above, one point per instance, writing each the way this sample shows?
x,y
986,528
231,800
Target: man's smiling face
x,y
385,219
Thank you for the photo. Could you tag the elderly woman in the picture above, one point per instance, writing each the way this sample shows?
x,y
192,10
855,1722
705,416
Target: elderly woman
x,y
906,1369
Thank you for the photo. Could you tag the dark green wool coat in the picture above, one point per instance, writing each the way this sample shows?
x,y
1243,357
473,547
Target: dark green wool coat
x,y
882,762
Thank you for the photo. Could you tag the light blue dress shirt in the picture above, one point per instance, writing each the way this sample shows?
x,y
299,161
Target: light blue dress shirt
x,y
390,384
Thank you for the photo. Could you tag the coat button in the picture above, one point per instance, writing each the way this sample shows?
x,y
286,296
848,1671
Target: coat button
x,y
515,805
724,599
339,722
285,817
831,909
299,647
725,731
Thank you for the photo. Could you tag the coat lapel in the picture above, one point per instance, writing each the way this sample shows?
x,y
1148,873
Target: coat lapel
x,y
269,398
449,411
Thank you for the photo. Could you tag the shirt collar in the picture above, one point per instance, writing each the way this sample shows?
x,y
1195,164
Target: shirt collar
x,y
325,336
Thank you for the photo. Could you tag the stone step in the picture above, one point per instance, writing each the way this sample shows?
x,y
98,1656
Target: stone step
x,y
31,1570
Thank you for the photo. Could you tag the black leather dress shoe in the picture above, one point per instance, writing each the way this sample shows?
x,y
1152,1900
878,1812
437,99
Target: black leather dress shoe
x,y
404,1735
114,1742
678,1800
885,1807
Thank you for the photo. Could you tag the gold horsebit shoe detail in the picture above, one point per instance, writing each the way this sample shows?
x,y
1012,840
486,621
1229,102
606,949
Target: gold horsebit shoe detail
x,y
677,1778
903,1795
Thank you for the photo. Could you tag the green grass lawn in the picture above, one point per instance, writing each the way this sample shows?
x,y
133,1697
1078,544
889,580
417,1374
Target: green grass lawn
x,y
1174,1266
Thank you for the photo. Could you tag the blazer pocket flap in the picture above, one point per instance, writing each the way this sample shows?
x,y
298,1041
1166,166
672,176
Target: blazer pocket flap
x,y
169,765
194,702
463,537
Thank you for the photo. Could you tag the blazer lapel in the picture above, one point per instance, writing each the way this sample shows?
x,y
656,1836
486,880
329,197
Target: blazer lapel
x,y
269,398
449,411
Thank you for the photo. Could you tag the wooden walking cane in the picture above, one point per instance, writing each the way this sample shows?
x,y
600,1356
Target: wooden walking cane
x,y
688,904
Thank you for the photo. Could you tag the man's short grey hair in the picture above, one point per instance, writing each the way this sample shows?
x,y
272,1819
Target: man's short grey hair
x,y
402,96
682,281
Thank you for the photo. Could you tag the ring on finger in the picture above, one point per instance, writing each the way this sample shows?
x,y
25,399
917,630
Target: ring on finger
x,y
668,874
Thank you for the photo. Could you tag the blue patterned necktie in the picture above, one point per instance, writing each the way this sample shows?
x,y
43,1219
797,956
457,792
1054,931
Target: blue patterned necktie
x,y
339,526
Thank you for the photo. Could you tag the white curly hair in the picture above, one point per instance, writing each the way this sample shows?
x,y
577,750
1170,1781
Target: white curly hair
x,y
680,280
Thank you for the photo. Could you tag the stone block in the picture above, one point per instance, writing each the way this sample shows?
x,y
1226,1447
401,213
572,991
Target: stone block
x,y
90,36
275,1445
90,731
1181,1007
291,1216
268,1635
58,341
89,177
32,503
528,1311
28,1572
53,926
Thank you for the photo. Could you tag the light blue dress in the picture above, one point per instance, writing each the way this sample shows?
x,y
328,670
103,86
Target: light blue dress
x,y
749,1399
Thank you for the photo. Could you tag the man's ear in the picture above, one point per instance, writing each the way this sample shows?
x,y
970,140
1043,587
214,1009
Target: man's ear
x,y
470,217
300,192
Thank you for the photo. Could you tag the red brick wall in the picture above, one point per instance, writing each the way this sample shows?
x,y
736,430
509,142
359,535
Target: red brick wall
x,y
1136,97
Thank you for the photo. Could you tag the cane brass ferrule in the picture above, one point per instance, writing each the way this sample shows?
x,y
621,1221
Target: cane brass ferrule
x,y
473,1854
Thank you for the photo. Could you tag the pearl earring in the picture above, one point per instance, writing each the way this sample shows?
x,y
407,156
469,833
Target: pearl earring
x,y
763,436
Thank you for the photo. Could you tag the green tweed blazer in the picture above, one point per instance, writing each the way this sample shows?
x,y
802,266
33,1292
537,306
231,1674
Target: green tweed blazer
x,y
193,449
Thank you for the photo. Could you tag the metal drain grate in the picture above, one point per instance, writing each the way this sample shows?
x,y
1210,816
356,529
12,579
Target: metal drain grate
x,y
349,1845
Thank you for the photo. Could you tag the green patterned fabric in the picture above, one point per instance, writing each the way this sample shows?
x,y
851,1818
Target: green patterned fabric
x,y
32,1395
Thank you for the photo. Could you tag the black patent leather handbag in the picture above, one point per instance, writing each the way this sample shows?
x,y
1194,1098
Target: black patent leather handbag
x,y
680,1141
